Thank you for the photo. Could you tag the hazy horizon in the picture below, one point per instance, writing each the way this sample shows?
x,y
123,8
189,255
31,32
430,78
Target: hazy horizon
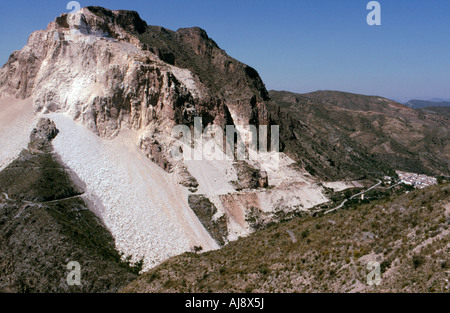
x,y
299,46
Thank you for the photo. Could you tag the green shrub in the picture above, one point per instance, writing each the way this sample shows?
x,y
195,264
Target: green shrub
x,y
418,261
305,233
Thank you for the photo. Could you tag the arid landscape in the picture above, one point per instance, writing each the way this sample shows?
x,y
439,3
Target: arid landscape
x,y
89,173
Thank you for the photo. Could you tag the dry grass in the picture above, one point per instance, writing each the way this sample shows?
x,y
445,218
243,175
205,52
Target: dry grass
x,y
408,235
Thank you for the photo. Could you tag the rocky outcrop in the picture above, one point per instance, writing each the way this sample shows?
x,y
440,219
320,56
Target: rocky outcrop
x,y
250,177
343,136
42,135
206,212
35,175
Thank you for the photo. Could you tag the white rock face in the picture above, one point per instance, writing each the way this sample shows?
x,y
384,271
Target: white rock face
x,y
141,204
16,123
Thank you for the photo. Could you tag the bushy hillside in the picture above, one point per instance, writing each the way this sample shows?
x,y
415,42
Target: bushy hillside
x,y
408,236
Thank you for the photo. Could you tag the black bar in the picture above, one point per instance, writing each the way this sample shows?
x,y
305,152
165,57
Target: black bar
x,y
147,303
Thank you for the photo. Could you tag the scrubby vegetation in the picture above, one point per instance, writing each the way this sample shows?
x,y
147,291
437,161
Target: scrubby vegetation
x,y
408,235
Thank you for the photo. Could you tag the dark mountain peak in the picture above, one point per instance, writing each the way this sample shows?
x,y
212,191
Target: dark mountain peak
x,y
95,17
198,39
128,20
194,31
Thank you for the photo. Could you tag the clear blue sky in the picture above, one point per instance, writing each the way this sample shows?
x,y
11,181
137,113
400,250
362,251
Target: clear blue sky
x,y
296,45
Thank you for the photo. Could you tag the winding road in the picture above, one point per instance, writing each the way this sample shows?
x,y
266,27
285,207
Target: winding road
x,y
354,196
44,202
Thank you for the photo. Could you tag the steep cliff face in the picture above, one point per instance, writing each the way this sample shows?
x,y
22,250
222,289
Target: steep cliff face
x,y
111,71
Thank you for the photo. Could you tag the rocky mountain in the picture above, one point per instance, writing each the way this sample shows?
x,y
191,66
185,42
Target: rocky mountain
x,y
338,135
115,88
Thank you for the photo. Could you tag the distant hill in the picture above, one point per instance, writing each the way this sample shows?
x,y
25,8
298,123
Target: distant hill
x,y
420,104
338,135
439,100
